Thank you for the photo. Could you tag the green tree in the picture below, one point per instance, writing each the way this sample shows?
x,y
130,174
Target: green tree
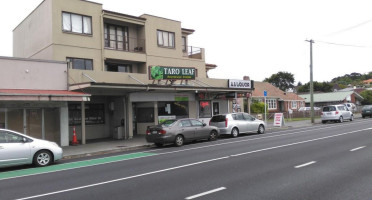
x,y
367,95
318,87
281,80
258,107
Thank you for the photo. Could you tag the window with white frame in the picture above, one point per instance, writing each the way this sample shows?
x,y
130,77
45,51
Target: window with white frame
x,y
166,39
76,23
294,104
271,103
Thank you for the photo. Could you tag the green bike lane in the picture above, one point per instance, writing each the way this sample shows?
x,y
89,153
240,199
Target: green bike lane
x,y
72,165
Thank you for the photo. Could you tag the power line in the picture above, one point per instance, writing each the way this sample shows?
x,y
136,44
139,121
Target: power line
x,y
346,45
349,28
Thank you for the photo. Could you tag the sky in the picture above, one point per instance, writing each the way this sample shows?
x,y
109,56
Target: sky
x,y
255,38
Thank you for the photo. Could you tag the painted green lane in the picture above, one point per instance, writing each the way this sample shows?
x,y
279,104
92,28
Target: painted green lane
x,y
66,166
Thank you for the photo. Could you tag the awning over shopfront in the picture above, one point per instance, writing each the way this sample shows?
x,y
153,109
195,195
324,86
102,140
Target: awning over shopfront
x,y
42,95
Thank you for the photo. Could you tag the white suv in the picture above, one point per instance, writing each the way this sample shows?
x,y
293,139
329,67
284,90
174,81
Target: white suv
x,y
336,113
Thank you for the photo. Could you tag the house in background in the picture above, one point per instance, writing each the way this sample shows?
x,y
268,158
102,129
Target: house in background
x,y
323,99
277,100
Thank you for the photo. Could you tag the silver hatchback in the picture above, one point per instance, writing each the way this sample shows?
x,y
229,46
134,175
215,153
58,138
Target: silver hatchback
x,y
235,123
336,113
20,149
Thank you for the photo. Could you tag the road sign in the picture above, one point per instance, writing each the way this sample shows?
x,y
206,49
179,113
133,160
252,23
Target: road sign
x,y
265,93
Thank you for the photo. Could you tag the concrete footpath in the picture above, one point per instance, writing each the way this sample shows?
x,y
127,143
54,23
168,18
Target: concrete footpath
x,y
139,142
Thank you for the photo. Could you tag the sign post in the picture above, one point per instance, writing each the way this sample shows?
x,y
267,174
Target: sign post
x,y
265,95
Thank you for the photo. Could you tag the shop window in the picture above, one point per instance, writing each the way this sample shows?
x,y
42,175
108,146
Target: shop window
x,y
179,109
145,115
94,114
205,110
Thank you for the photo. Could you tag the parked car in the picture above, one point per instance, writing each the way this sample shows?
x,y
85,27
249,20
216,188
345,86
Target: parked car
x,y
308,108
367,111
337,113
179,131
20,149
352,107
235,123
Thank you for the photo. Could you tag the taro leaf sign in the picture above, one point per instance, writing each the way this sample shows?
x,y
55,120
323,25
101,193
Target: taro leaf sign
x,y
172,73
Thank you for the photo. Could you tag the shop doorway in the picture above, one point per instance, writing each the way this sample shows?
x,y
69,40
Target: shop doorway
x,y
216,108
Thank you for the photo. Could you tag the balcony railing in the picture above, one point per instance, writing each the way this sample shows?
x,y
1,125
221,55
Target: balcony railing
x,y
126,44
192,52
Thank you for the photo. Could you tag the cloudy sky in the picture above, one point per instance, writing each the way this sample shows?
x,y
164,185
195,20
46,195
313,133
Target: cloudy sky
x,y
256,38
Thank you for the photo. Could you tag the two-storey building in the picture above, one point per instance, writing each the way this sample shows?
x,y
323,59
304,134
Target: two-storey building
x,y
139,70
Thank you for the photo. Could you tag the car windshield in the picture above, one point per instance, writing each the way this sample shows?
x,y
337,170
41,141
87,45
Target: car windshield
x,y
169,123
329,108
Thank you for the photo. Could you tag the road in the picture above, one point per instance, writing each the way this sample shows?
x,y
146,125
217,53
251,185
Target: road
x,y
325,161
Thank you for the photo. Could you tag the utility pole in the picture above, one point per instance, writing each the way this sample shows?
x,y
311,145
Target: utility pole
x,y
311,81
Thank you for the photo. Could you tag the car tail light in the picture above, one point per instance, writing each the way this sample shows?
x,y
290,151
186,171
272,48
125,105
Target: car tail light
x,y
336,112
148,132
162,132
226,122
321,113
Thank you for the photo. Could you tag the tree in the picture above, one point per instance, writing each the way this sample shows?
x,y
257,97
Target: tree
x,y
318,87
281,80
367,95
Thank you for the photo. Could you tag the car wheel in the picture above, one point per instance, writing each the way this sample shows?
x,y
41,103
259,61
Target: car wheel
x,y
352,118
234,132
179,140
324,121
159,144
261,129
341,119
42,158
213,136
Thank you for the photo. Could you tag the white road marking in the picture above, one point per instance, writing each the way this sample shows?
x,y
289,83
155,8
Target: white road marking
x,y
205,193
187,165
304,165
358,148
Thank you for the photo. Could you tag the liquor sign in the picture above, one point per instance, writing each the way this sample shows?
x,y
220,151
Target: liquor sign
x,y
172,73
240,84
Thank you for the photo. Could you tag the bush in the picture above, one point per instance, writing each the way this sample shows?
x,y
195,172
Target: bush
x,y
258,107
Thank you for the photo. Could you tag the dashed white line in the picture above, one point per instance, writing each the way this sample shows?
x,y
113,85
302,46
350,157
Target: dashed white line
x,y
304,165
205,193
358,148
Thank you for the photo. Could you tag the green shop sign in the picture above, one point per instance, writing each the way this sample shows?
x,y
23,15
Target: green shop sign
x,y
172,73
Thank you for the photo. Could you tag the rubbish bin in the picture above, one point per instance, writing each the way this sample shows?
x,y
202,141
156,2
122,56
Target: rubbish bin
x,y
118,133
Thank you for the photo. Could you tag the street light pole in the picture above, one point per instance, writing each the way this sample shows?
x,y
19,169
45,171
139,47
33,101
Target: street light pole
x,y
311,81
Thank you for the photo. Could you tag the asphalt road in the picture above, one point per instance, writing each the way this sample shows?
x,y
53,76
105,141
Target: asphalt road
x,y
325,161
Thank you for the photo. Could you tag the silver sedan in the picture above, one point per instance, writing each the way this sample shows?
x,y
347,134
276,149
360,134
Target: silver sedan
x,y
20,149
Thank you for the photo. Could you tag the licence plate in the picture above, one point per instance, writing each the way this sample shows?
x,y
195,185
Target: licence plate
x,y
368,111
154,132
329,113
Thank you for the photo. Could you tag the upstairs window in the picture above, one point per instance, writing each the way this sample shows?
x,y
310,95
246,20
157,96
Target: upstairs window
x,y
76,23
80,63
116,37
166,39
184,46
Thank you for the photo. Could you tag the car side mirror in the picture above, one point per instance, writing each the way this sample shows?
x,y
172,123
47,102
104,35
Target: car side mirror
x,y
24,140
204,124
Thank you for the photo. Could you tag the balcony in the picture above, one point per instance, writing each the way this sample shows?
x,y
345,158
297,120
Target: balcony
x,y
125,44
193,52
